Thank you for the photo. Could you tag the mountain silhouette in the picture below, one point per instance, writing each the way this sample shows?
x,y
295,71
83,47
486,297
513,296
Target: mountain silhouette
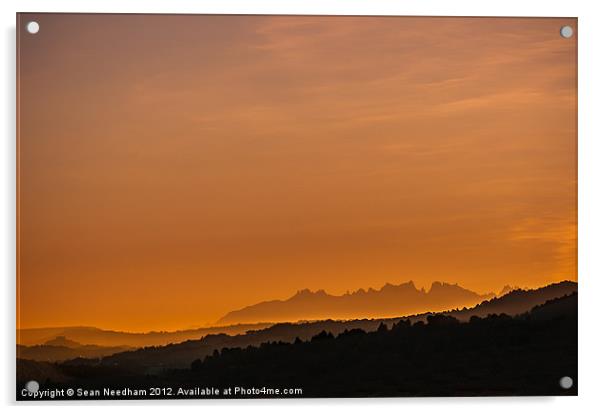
x,y
177,349
62,348
153,359
390,300
62,340
517,301
525,354
495,355
103,337
507,289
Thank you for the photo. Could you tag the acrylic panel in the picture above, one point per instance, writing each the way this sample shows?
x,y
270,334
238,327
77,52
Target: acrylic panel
x,y
264,206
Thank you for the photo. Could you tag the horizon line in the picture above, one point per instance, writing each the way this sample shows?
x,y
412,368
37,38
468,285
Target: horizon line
x,y
217,326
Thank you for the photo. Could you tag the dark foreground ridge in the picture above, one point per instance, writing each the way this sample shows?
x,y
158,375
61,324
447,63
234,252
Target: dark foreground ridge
x,y
152,359
493,355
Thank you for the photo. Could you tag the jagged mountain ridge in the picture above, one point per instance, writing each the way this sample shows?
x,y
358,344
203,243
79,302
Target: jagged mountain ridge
x,y
390,300
180,355
156,366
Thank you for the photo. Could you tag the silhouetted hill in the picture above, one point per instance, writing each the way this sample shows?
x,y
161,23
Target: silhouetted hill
x,y
518,301
101,337
153,359
42,372
62,341
61,349
389,301
496,355
556,308
507,289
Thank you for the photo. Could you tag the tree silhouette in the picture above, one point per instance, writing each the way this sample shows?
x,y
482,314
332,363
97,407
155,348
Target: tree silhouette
x,y
491,355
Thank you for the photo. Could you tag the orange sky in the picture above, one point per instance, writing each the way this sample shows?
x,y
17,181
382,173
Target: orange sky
x,y
174,168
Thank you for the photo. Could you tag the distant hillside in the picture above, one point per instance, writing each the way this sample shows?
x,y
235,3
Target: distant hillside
x,y
517,301
180,355
494,355
507,289
151,359
63,341
54,353
101,337
390,300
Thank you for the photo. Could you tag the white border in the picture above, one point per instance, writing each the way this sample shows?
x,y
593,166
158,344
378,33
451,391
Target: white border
x,y
590,200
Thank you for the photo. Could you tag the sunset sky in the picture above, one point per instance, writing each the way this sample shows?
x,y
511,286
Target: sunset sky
x,y
173,168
